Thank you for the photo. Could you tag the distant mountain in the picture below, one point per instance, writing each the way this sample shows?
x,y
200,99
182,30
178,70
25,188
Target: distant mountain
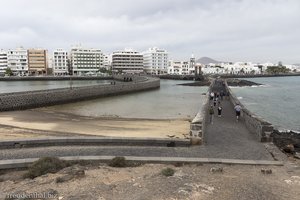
x,y
206,60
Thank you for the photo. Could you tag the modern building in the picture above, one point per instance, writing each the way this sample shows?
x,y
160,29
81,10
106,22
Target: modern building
x,y
107,61
60,62
86,61
37,61
127,61
17,61
3,62
156,61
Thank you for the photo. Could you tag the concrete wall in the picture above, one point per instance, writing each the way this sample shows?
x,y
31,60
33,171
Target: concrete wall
x,y
261,128
198,124
33,99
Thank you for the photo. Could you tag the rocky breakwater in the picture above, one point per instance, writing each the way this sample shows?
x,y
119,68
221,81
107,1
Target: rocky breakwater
x,y
34,99
241,83
287,141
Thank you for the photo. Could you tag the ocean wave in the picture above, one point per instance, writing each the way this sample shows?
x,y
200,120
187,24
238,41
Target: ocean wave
x,y
239,97
281,130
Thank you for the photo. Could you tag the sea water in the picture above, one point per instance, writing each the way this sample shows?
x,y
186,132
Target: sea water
x,y
277,100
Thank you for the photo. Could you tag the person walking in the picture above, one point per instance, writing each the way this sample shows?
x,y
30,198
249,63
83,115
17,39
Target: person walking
x,y
211,114
220,110
237,109
212,95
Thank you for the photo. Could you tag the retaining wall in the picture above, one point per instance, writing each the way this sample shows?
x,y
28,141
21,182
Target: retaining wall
x,y
33,99
261,128
198,124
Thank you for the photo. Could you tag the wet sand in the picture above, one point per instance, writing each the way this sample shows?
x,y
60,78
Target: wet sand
x,y
44,123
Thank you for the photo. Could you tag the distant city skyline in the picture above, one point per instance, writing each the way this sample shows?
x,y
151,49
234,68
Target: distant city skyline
x,y
225,30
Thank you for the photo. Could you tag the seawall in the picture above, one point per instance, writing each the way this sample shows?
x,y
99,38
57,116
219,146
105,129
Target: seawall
x,y
34,99
54,78
260,127
198,124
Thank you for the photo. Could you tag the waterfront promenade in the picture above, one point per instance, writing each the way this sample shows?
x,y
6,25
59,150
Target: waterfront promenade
x,y
225,139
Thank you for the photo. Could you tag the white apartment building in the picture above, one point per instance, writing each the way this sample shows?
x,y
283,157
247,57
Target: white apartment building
x,y
107,60
3,62
60,62
17,61
86,61
127,61
156,61
181,68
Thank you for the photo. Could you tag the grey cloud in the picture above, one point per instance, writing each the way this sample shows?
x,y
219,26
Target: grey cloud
x,y
257,30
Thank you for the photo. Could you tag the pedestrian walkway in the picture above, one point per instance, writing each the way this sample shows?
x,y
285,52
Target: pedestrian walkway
x,y
229,135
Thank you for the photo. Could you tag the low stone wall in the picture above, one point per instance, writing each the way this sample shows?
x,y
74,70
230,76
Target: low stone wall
x,y
198,124
33,99
254,123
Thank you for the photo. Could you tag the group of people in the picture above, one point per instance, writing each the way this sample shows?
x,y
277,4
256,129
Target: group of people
x,y
216,98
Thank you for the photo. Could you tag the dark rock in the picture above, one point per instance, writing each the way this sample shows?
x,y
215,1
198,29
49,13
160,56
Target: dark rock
x,y
283,139
241,83
216,170
289,148
266,171
196,83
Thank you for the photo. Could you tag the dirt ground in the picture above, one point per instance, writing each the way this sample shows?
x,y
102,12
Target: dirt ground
x,y
41,123
190,182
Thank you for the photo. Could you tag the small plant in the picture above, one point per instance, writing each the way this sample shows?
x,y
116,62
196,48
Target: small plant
x,y
118,162
59,180
168,172
45,165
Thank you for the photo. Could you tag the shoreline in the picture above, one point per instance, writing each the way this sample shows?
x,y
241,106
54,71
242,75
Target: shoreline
x,y
41,123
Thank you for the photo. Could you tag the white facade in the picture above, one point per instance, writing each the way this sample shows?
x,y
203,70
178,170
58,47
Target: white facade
x,y
17,61
231,68
86,60
127,61
107,60
156,61
181,68
3,62
60,62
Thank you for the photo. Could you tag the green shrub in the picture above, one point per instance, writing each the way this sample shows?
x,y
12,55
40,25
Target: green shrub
x,y
45,165
118,162
168,172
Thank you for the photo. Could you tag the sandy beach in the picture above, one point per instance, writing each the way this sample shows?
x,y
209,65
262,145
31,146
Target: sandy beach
x,y
46,123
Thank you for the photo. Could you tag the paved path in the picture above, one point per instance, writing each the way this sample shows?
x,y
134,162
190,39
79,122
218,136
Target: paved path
x,y
229,135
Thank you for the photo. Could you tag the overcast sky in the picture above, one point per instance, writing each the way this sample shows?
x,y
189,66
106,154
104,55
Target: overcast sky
x,y
226,30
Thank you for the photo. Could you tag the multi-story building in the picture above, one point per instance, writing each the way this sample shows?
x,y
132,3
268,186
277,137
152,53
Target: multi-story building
x,y
37,61
156,61
85,61
3,62
17,61
181,67
107,59
127,61
60,62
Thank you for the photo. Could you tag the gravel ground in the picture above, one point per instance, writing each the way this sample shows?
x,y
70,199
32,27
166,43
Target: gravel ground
x,y
196,151
190,182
